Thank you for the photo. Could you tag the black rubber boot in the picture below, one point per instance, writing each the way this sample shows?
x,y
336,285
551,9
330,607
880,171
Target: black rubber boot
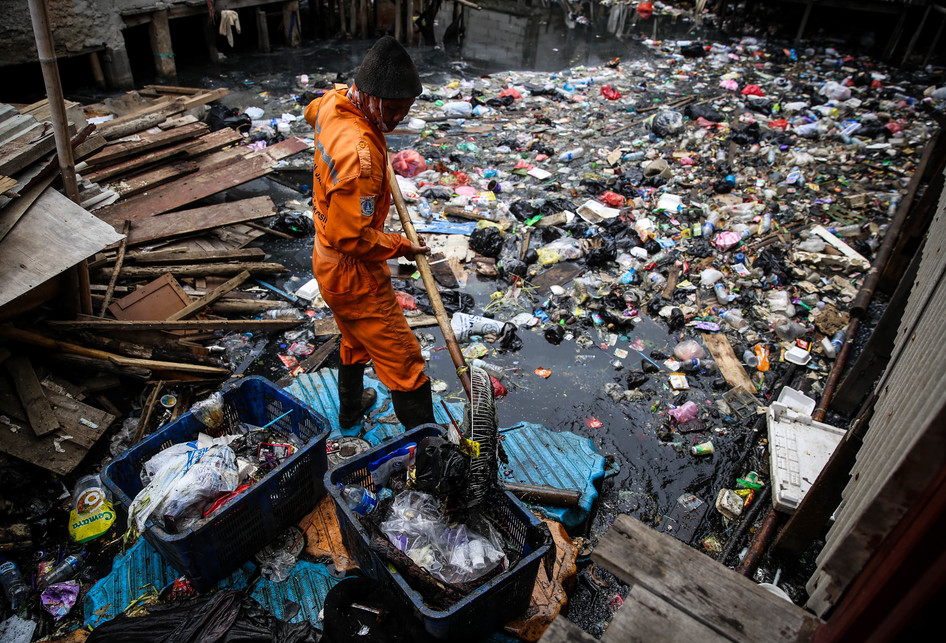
x,y
414,408
354,399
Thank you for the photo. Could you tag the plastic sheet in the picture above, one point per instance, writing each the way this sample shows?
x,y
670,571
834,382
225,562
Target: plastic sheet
x,y
452,553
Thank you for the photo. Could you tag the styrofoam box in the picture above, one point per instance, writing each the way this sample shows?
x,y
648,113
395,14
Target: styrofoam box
x,y
799,448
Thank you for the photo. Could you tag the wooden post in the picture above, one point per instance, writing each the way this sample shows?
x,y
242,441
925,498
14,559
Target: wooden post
x,y
939,33
290,22
342,26
96,66
160,31
262,32
353,18
804,22
365,30
398,20
895,37
210,37
57,108
409,23
916,35
117,68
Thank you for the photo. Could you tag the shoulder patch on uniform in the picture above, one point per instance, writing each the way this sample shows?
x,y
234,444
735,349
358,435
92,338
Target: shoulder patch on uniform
x,y
364,157
367,206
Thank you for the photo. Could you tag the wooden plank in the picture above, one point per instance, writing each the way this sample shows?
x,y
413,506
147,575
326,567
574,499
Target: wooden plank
x,y
211,297
153,178
170,123
71,413
36,339
327,325
198,256
155,300
134,125
727,602
6,183
214,141
141,161
177,224
729,365
564,631
147,141
323,537
205,269
13,212
38,411
25,150
645,617
88,147
189,189
842,247
107,325
54,235
313,361
119,261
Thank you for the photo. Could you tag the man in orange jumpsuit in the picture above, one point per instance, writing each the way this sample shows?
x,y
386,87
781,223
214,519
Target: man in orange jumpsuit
x,y
351,196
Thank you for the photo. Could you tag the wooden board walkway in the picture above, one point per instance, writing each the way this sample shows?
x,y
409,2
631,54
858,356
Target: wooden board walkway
x,y
680,594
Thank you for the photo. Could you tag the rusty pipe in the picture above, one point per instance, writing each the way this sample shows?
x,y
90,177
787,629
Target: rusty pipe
x,y
544,495
760,543
834,377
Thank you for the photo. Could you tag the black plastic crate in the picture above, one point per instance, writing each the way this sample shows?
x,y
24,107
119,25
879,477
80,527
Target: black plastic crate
x,y
489,606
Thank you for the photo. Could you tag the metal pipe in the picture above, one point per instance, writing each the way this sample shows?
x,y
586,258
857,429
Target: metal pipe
x,y
748,520
57,109
834,377
760,543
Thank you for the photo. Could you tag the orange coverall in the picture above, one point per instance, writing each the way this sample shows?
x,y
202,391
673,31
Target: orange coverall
x,y
351,196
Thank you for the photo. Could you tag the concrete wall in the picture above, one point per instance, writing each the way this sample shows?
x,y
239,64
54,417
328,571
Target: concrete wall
x,y
78,26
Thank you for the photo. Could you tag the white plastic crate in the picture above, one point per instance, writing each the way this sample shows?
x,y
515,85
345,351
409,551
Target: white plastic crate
x,y
799,448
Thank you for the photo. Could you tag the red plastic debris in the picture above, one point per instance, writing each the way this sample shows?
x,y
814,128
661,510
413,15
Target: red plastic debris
x,y
408,163
752,90
510,91
611,198
893,128
498,389
645,10
610,92
406,301
780,123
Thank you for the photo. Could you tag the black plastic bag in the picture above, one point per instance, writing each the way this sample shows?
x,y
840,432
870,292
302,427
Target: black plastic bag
x,y
511,267
636,379
225,617
603,255
522,210
508,340
343,621
694,112
440,468
298,224
554,334
677,320
693,50
487,241
220,117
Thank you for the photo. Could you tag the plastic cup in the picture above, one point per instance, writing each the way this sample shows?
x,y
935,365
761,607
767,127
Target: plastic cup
x,y
749,358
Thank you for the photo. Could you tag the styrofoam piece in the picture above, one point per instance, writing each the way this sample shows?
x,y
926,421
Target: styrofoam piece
x,y
319,390
796,400
308,291
142,570
799,448
558,459
797,355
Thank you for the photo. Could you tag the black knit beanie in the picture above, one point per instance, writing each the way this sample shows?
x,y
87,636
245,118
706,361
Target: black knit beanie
x,y
388,71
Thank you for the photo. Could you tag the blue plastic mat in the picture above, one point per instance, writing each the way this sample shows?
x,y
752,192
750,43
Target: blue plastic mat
x,y
320,391
141,571
558,459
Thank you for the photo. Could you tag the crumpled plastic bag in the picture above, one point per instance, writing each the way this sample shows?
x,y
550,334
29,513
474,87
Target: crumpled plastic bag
x,y
181,480
454,554
59,598
487,241
209,411
408,163
667,123
565,248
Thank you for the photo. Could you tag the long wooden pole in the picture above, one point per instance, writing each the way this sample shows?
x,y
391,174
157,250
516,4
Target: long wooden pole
x,y
57,108
430,284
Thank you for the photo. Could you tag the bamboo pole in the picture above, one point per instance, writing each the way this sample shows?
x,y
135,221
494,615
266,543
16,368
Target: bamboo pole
x,y
57,108
431,285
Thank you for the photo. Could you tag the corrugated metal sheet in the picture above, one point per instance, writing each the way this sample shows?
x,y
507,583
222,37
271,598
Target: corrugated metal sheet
x,y
903,448
142,571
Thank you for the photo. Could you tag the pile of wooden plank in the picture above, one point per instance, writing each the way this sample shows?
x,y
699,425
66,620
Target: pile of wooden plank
x,y
172,279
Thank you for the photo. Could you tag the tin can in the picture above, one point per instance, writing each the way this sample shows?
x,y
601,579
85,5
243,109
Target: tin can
x,y
704,448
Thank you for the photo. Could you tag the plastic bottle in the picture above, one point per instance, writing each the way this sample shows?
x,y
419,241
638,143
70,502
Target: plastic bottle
x,y
722,296
846,230
734,318
712,218
766,223
359,499
65,570
424,209
571,155
458,108
794,176
492,369
14,587
696,365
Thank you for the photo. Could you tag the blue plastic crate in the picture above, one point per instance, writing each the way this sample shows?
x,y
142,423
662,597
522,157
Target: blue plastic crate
x,y
483,610
219,545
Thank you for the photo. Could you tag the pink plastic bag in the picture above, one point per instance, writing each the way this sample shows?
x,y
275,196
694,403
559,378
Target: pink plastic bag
x,y
685,413
408,163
